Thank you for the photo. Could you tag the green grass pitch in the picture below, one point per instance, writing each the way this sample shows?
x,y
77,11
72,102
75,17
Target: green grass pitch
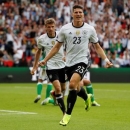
x,y
18,112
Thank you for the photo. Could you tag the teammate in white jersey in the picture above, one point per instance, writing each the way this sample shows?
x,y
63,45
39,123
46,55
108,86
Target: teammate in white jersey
x,y
55,68
76,36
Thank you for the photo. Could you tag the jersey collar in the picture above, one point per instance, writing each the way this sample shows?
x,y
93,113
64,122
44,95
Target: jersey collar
x,y
78,27
52,37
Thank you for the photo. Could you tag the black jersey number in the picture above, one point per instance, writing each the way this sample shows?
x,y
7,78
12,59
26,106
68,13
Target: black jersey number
x,y
77,40
80,69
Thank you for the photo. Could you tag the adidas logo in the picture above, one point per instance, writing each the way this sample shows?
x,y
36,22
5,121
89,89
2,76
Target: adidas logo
x,y
70,33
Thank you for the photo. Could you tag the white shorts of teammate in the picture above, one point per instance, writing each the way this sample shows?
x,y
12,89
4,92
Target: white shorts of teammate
x,y
42,74
87,75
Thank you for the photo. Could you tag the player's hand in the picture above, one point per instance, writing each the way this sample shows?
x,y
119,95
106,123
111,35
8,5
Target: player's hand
x,y
32,71
64,59
108,64
41,63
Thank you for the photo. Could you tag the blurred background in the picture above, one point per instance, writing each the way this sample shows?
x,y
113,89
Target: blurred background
x,y
22,21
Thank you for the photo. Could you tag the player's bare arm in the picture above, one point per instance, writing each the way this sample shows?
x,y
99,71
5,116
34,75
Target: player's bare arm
x,y
102,54
53,51
37,56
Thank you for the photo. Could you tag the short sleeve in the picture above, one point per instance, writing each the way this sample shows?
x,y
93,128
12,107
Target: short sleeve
x,y
93,37
39,42
61,36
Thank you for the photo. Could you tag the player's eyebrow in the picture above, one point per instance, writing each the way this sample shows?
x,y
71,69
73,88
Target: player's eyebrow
x,y
78,11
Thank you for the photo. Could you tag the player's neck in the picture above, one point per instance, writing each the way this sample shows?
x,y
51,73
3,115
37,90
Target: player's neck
x,y
78,23
51,35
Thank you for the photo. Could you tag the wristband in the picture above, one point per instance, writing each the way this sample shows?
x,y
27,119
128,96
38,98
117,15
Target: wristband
x,y
106,60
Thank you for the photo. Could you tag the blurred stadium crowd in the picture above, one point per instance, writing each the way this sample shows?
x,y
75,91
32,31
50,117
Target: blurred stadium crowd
x,y
22,21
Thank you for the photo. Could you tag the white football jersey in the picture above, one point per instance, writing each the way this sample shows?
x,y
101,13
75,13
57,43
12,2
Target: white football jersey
x,y
76,40
56,61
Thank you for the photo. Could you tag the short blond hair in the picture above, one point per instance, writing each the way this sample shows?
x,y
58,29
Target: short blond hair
x,y
50,21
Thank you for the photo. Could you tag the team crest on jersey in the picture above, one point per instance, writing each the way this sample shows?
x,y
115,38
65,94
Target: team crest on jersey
x,y
39,41
53,42
77,32
84,32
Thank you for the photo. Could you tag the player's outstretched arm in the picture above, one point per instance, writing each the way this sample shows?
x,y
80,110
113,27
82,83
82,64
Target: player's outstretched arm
x,y
102,54
52,52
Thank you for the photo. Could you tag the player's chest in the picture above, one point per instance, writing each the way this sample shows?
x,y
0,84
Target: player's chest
x,y
77,34
77,37
49,43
